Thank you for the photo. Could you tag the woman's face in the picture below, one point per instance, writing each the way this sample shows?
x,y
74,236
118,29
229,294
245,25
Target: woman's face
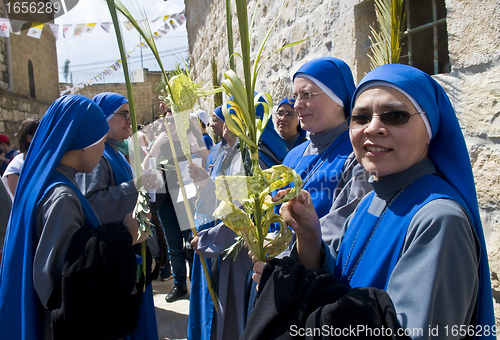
x,y
286,121
318,114
92,155
119,125
169,119
384,149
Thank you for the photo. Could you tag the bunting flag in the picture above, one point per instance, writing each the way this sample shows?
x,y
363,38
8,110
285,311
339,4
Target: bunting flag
x,y
171,22
78,31
174,24
66,28
181,18
55,30
128,25
16,26
89,28
35,30
165,29
4,27
106,26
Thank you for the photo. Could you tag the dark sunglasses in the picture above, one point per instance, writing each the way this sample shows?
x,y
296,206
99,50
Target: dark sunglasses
x,y
390,118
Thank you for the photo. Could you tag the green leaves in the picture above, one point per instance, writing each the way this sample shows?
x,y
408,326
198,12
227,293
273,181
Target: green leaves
x,y
140,213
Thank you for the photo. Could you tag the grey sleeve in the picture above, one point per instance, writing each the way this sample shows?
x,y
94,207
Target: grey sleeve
x,y
349,191
58,217
435,281
5,207
110,202
213,241
207,201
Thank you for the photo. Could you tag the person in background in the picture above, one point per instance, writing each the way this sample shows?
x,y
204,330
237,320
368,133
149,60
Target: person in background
x,y
64,275
288,125
412,257
7,154
227,275
204,121
171,211
111,190
25,134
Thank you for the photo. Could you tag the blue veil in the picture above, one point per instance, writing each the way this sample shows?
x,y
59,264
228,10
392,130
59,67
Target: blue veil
x,y
448,152
109,102
71,123
333,73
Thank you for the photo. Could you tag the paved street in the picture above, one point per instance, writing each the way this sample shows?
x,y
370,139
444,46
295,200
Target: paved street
x,y
172,318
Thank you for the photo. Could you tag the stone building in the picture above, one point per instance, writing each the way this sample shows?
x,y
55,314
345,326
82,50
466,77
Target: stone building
x,y
457,41
144,83
28,75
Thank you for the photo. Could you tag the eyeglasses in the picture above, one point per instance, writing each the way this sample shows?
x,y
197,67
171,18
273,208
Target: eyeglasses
x,y
287,114
390,118
305,96
124,115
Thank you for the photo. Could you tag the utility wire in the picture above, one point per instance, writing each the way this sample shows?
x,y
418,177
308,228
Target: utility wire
x,y
167,53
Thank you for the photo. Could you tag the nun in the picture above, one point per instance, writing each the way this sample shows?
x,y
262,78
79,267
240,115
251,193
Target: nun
x,y
58,258
412,258
322,90
110,188
287,124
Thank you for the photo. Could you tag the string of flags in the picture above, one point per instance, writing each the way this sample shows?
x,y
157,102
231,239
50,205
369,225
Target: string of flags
x,y
7,27
171,22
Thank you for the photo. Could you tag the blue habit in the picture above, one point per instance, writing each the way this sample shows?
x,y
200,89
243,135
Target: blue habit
x,y
71,123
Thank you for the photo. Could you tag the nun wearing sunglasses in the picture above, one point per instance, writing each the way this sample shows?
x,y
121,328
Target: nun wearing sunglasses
x,y
411,261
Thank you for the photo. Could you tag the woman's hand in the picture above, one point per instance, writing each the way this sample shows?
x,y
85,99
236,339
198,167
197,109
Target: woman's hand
x,y
197,173
300,215
194,244
133,228
258,268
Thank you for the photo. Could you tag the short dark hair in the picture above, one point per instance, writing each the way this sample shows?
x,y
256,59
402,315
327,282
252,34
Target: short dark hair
x,y
28,127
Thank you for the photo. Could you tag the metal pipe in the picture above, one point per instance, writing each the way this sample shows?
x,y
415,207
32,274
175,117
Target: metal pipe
x,y
423,27
408,26
435,37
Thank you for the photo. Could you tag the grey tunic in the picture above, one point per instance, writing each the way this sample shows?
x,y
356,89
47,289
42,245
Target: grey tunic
x,y
5,207
110,201
435,281
59,216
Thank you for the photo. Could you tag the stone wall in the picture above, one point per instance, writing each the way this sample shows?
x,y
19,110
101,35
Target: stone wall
x,y
341,28
14,108
145,97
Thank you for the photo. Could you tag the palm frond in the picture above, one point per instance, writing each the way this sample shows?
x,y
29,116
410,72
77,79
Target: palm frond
x,y
385,44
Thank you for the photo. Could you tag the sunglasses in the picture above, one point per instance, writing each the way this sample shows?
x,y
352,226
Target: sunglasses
x,y
389,118
124,115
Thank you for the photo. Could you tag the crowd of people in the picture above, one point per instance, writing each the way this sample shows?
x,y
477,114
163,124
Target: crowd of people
x,y
387,237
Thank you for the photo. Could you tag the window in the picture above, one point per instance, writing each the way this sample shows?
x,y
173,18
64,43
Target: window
x,y
425,38
31,79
